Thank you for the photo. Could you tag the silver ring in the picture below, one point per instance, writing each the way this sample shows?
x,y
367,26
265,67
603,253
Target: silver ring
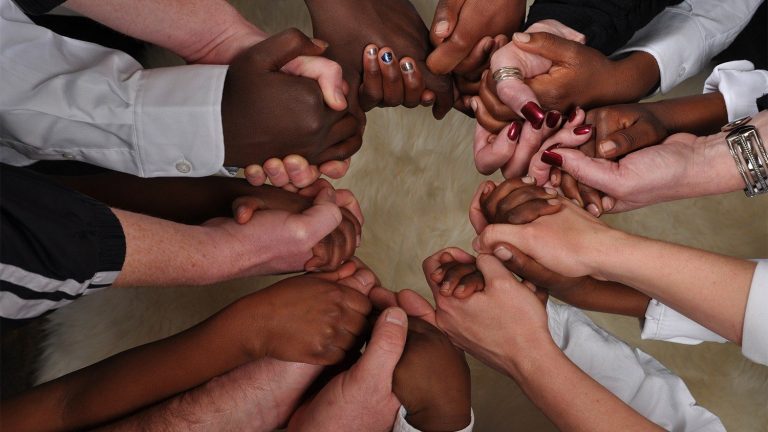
x,y
507,72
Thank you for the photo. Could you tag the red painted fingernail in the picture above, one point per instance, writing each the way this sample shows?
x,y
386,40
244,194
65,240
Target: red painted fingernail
x,y
552,158
583,130
572,116
514,130
534,114
553,118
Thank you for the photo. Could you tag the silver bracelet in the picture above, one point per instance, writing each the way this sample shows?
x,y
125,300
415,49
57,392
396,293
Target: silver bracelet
x,y
750,155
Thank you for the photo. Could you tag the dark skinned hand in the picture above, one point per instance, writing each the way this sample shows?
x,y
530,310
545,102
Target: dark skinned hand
x,y
350,25
269,114
459,25
622,129
311,319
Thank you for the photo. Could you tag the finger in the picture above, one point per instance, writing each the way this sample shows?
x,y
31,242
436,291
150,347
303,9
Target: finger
x,y
416,306
494,271
484,118
378,362
276,172
530,211
472,66
492,103
356,301
344,271
432,264
476,213
571,137
453,277
442,86
371,90
469,285
592,200
300,173
488,240
570,188
444,21
528,144
548,46
382,298
315,188
328,75
391,78
243,208
255,175
447,55
362,281
316,222
346,199
349,230
625,141
498,150
335,169
413,83
491,204
273,53
342,150
520,98
601,174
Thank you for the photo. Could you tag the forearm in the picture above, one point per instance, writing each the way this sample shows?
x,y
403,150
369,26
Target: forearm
x,y
708,288
633,78
699,114
163,253
608,297
132,379
200,31
567,396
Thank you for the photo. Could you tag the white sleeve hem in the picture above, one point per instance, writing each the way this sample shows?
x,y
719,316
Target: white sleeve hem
x,y
666,324
740,84
401,424
754,339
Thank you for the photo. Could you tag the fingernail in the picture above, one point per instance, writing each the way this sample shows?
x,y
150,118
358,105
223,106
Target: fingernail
x,y
321,43
594,210
485,192
396,316
528,180
522,37
241,211
407,67
488,46
514,131
553,201
441,29
534,114
358,241
553,118
444,288
575,201
503,253
437,273
607,148
473,104
583,130
552,158
608,203
312,269
550,191
460,289
372,52
340,96
387,57
572,115
272,171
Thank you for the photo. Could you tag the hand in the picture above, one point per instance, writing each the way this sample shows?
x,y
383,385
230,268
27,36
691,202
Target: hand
x,y
682,166
459,25
361,398
311,319
542,162
582,76
294,172
512,149
267,113
388,82
622,129
565,242
350,25
514,201
333,250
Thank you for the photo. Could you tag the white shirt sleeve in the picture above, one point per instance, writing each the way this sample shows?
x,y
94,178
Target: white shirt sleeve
x,y
683,38
754,340
666,324
632,375
401,424
64,99
740,84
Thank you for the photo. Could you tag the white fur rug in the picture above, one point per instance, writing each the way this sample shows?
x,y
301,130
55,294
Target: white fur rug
x,y
414,178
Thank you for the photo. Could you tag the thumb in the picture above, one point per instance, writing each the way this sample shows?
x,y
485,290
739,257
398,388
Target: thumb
x,y
383,352
275,52
444,22
601,174
494,271
321,219
624,141
547,45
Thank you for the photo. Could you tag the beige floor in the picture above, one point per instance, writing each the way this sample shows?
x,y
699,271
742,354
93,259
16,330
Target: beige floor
x,y
414,178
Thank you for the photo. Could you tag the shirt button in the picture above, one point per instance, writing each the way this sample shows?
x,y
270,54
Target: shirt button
x,y
183,167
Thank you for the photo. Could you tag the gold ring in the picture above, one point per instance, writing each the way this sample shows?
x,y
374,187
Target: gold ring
x,y
507,72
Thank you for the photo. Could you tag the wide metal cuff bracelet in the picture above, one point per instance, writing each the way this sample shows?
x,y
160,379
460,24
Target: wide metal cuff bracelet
x,y
751,158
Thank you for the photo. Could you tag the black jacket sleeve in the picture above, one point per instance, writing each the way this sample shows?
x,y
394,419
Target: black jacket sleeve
x,y
37,7
55,244
607,24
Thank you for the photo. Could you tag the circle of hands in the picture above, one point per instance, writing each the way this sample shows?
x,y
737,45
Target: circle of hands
x,y
560,152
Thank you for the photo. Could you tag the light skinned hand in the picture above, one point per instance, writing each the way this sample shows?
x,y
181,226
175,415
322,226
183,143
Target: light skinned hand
x,y
458,26
568,137
294,172
361,398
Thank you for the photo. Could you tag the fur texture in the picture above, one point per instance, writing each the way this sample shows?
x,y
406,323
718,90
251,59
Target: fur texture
x,y
414,178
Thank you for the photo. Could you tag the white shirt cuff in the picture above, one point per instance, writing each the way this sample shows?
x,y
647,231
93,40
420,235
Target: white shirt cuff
x,y
401,424
740,85
754,341
666,324
178,121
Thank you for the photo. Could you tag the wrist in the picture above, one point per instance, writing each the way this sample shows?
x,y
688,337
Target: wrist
x,y
599,259
716,171
633,78
524,361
